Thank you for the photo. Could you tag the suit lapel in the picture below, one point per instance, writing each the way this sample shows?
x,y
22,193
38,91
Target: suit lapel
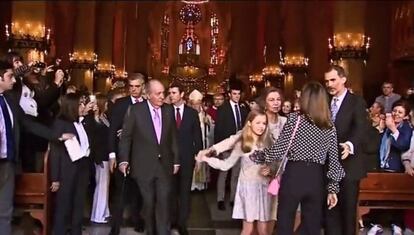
x,y
148,119
184,117
165,122
14,113
342,108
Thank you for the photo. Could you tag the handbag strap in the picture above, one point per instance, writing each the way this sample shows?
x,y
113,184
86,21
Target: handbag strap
x,y
284,158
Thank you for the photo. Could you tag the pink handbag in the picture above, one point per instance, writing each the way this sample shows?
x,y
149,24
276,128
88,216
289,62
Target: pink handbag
x,y
274,185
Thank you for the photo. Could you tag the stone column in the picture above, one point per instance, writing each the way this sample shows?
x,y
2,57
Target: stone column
x,y
84,40
293,40
104,38
349,17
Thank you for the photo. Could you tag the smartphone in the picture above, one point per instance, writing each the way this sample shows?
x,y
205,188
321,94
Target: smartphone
x,y
92,98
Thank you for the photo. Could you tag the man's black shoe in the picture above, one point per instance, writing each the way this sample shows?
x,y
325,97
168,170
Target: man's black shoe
x,y
221,206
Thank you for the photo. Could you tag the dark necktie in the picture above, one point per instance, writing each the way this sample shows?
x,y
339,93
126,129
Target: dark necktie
x,y
178,118
9,130
238,119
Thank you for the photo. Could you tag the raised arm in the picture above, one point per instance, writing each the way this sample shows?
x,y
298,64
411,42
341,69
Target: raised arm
x,y
227,163
227,144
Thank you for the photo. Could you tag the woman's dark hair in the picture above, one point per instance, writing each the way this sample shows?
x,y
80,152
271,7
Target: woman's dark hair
x,y
101,101
403,103
69,107
4,66
314,104
10,56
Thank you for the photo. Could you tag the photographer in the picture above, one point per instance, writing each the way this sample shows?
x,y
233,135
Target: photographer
x,y
36,96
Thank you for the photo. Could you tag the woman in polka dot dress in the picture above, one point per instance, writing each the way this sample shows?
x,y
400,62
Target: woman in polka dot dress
x,y
312,161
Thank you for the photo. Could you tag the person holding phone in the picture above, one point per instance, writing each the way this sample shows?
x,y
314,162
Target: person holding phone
x,y
99,153
396,139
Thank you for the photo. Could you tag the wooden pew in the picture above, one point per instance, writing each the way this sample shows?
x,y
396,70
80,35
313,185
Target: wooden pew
x,y
32,194
384,190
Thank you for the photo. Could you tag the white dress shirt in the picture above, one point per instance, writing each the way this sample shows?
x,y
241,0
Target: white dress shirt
x,y
181,107
234,113
83,138
3,140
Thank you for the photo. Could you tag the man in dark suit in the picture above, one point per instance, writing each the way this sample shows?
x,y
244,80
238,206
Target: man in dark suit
x,y
189,143
149,147
230,119
11,118
349,116
124,186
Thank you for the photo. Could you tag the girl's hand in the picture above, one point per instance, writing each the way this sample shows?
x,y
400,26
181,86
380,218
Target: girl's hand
x,y
55,186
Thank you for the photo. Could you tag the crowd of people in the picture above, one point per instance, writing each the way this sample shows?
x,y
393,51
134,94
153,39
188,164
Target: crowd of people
x,y
147,147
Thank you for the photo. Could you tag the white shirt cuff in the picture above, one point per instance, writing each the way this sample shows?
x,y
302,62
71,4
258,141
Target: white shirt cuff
x,y
122,163
395,135
176,164
112,155
351,147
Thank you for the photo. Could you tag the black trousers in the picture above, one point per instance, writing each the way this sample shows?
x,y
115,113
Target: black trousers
x,y
70,198
181,200
125,192
302,182
341,220
156,194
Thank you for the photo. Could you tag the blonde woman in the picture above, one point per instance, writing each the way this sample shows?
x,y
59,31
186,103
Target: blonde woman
x,y
270,100
252,203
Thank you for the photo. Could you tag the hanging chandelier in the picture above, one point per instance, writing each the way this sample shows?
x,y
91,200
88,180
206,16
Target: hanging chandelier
x,y
28,35
349,46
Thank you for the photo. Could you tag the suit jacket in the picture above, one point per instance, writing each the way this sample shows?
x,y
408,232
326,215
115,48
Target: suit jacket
x,y
225,123
189,138
116,118
21,119
350,124
99,140
139,145
399,146
60,162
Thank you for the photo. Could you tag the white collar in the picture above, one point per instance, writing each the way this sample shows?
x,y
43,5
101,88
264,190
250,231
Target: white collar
x,y
233,103
181,107
342,96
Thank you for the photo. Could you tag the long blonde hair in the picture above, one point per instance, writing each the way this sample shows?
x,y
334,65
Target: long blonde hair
x,y
247,140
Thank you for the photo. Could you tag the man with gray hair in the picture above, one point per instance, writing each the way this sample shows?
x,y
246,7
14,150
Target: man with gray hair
x,y
124,186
